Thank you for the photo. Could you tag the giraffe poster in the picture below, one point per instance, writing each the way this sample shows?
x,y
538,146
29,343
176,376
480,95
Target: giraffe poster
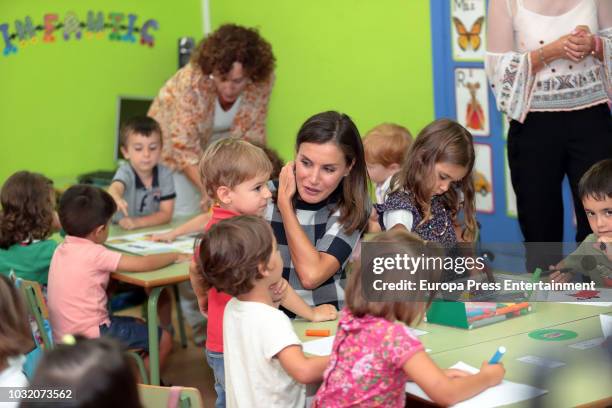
x,y
472,100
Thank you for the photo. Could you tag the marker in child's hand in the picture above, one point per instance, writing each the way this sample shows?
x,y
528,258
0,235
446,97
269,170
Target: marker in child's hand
x,y
498,355
318,333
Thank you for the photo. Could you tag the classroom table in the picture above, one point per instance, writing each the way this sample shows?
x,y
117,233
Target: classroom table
x,y
585,378
156,281
444,338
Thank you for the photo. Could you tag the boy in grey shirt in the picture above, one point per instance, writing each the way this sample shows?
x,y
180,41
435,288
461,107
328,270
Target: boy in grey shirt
x,y
143,188
593,258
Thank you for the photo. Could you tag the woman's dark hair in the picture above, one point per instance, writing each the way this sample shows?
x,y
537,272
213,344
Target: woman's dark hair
x,y
233,43
83,208
338,128
15,332
27,208
96,370
232,251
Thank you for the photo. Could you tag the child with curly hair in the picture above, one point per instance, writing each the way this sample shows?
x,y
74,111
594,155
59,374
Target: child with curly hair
x,y
27,220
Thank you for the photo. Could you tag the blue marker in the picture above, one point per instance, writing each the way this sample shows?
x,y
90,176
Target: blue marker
x,y
498,355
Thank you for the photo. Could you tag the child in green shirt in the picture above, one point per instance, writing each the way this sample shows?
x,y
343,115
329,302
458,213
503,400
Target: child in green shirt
x,y
27,220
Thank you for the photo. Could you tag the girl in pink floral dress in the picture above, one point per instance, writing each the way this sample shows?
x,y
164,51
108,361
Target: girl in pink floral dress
x,y
374,354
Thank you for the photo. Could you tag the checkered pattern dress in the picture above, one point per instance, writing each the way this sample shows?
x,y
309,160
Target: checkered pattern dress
x,y
320,223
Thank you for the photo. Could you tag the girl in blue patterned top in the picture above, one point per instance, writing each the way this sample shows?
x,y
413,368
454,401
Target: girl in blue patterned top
x,y
435,183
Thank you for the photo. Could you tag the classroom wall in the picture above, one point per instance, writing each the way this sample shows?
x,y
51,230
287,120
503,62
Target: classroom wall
x,y
58,105
369,59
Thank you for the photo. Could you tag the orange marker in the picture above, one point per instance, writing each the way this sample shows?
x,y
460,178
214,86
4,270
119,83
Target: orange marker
x,y
512,308
318,333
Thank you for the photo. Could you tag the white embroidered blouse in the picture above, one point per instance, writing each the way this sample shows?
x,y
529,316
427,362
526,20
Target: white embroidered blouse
x,y
516,27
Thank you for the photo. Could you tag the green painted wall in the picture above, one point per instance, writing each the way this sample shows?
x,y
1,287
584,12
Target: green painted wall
x,y
368,58
58,105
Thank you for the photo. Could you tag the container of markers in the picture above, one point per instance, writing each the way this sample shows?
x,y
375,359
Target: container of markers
x,y
471,315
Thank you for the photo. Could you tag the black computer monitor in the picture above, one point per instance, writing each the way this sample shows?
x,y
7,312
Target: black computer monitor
x,y
128,107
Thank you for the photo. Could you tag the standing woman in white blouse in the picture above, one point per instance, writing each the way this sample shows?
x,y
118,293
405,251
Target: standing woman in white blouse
x,y
549,63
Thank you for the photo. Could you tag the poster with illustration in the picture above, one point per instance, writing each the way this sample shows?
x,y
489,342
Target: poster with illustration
x,y
511,210
472,100
468,29
483,178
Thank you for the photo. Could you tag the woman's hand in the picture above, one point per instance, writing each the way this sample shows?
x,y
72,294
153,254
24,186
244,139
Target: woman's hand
x,y
324,313
286,186
579,44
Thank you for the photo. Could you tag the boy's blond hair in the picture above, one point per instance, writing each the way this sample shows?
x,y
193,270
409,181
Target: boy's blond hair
x,y
229,162
386,144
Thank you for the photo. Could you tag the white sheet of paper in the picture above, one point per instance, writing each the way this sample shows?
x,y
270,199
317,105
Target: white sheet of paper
x,y
323,347
417,332
598,304
587,344
139,243
505,393
606,325
541,361
319,347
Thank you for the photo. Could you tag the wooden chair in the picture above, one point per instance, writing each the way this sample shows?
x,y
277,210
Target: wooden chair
x,y
153,396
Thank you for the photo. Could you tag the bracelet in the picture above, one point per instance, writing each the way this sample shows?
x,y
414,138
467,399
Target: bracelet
x,y
598,45
542,59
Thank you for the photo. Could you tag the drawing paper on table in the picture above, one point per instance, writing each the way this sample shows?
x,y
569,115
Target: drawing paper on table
x,y
319,347
541,361
606,325
141,244
507,392
587,344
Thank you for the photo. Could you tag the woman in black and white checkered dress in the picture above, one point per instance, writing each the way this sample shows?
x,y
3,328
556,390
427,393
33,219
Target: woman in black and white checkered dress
x,y
321,208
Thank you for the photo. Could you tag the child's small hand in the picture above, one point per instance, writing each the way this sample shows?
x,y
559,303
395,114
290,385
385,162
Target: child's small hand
x,y
163,237
493,373
558,276
454,373
323,313
279,290
122,205
127,223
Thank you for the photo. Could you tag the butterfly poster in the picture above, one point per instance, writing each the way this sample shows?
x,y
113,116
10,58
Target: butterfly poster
x,y
468,29
472,100
483,178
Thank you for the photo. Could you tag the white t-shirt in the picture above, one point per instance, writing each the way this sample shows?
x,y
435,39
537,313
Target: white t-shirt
x,y
381,190
13,376
253,334
222,122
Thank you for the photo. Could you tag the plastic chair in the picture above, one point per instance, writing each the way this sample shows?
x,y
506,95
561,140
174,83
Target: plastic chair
x,y
153,396
37,306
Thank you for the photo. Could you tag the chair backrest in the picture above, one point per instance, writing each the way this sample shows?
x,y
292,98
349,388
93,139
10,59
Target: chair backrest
x,y
37,306
153,396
